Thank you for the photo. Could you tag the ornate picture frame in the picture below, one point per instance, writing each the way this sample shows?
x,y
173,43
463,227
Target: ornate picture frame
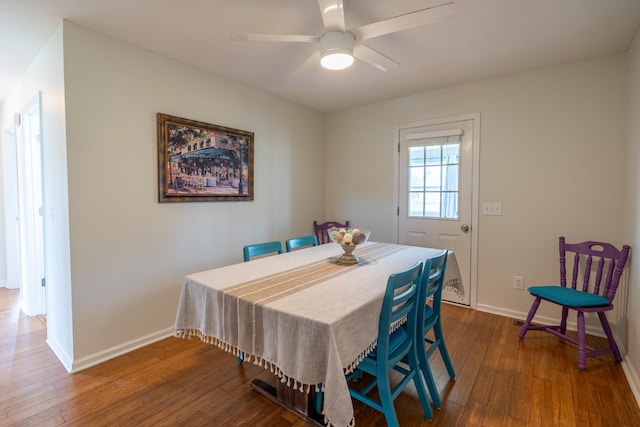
x,y
202,162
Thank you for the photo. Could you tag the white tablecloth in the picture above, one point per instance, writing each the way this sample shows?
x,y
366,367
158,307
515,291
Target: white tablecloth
x,y
305,317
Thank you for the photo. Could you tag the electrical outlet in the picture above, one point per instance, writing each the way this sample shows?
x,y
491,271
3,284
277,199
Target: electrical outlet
x,y
518,282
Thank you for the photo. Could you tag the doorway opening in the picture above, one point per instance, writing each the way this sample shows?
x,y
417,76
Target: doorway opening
x,y
24,208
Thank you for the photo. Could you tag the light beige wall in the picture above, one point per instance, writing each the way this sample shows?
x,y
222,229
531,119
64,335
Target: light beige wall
x,y
129,253
631,230
551,151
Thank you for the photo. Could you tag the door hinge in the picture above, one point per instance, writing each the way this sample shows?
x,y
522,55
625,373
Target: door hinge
x,y
398,211
43,282
398,147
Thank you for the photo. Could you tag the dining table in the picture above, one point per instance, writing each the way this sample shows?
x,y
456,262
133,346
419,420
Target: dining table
x,y
301,314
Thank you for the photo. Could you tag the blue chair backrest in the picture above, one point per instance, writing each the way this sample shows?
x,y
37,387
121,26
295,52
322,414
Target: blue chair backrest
x,y
433,276
250,251
400,300
300,242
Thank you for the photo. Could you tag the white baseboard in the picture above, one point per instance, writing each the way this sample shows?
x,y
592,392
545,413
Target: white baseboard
x,y
97,358
521,315
60,354
5,284
632,379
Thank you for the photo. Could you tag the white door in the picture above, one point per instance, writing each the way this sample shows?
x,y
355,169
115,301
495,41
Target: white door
x,y
30,209
435,194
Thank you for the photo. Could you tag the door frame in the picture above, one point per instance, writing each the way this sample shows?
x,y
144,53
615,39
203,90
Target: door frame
x,y
33,299
475,173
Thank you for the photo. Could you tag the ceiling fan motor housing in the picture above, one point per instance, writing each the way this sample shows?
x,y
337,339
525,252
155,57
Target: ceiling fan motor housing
x,y
336,39
337,44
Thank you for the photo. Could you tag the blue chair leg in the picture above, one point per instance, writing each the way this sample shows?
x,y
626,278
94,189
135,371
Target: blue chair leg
x,y
386,401
428,378
443,350
422,394
240,358
317,401
427,375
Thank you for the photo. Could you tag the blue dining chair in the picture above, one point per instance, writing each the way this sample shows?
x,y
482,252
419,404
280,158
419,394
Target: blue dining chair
x,y
430,320
301,242
400,302
258,249
592,262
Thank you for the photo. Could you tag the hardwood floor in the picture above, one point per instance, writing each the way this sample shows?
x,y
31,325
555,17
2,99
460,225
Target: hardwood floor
x,y
501,381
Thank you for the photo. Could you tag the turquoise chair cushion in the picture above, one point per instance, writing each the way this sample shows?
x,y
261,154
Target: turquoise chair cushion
x,y
397,337
568,296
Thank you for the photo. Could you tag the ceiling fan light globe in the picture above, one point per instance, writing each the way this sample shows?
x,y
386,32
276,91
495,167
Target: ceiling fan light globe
x,y
336,59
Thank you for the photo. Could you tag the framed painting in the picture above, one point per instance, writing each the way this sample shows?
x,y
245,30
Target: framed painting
x,y
201,162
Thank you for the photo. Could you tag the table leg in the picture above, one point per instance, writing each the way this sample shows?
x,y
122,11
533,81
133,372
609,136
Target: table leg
x,y
298,402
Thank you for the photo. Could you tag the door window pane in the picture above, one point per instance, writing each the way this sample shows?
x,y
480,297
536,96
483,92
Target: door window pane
x,y
416,204
450,205
433,155
432,205
450,178
416,179
451,153
434,172
434,175
416,156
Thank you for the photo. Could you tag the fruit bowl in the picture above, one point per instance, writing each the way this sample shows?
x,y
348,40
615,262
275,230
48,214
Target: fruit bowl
x,y
348,239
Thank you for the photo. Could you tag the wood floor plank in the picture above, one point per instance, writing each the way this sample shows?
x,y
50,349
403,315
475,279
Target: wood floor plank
x,y
501,380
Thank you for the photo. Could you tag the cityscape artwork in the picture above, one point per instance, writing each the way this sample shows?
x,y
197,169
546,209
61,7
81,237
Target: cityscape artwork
x,y
202,162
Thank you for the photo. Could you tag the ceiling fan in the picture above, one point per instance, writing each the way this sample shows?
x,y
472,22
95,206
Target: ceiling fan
x,y
338,46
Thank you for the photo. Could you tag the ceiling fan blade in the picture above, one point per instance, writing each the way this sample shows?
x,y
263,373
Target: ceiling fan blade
x,y
310,63
332,14
373,57
405,22
244,37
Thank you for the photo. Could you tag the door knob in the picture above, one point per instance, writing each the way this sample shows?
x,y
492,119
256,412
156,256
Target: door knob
x,y
464,228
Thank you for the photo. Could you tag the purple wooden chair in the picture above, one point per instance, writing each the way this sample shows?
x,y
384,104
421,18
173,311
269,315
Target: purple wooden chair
x,y
592,295
320,230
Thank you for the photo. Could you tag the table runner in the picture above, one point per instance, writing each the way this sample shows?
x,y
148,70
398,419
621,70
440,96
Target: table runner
x,y
307,319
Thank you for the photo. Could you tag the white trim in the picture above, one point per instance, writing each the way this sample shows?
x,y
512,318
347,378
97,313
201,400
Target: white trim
x,y
475,171
60,354
435,134
103,356
632,379
595,330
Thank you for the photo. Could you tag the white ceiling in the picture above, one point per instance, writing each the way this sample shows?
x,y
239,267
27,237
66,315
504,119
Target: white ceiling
x,y
485,39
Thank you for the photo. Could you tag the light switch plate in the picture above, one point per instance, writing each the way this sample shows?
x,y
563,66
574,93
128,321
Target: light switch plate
x,y
492,209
